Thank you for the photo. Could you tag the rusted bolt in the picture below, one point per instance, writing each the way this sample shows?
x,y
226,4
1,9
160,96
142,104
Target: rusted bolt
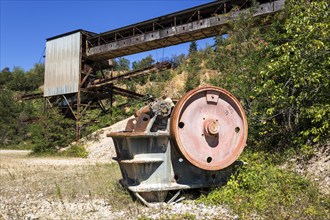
x,y
212,127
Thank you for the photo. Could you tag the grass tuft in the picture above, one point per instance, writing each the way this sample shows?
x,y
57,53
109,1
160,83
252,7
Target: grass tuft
x,y
75,151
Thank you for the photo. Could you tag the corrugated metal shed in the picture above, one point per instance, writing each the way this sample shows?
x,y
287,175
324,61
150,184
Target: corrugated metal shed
x,y
62,68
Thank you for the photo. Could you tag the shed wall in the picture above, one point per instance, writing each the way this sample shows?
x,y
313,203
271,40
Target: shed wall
x,y
62,67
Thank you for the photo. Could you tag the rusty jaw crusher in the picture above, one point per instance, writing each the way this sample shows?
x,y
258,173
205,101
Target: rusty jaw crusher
x,y
192,144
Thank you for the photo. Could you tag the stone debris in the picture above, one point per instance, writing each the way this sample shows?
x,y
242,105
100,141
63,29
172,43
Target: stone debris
x,y
188,209
317,168
99,146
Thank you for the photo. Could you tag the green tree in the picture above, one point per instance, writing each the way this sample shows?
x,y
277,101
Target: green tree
x,y
296,83
145,62
20,80
193,71
9,111
176,60
121,64
219,40
35,77
5,77
137,65
192,48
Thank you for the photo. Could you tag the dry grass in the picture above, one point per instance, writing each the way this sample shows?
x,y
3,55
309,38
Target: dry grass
x,y
75,188
53,187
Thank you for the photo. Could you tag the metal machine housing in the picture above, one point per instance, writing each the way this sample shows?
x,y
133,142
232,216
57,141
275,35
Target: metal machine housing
x,y
151,162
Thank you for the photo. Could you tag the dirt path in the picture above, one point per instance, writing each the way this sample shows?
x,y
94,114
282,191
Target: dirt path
x,y
71,188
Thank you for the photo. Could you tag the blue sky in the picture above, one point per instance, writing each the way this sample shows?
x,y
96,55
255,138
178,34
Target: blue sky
x,y
25,25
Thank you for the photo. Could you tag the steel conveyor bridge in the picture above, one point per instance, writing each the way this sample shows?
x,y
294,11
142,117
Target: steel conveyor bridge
x,y
196,23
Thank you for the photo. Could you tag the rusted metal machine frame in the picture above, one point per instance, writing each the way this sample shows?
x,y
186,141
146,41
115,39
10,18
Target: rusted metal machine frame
x,y
151,161
130,75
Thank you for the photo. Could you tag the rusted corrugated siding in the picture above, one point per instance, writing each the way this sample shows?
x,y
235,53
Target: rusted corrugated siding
x,y
62,70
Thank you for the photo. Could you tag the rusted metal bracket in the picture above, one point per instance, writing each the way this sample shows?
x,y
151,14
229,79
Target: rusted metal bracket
x,y
72,111
90,70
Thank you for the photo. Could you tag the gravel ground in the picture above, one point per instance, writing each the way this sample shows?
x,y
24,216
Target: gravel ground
x,y
40,188
99,146
70,188
76,188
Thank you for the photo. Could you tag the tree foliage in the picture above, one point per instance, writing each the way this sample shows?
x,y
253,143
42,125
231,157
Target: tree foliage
x,y
280,73
295,85
52,132
15,114
121,64
20,80
138,65
192,48
9,112
15,119
193,70
145,62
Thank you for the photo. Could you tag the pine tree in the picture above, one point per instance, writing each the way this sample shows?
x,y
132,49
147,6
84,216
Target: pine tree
x,y
192,48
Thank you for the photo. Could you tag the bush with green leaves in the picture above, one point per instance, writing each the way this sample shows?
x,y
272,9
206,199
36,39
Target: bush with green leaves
x,y
52,132
75,150
15,120
9,111
20,80
192,66
121,64
261,189
295,86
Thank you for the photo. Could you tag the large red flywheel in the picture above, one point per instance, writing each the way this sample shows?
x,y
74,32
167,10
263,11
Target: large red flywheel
x,y
209,127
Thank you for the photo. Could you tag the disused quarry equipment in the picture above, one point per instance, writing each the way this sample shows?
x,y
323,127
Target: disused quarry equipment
x,y
192,144
76,58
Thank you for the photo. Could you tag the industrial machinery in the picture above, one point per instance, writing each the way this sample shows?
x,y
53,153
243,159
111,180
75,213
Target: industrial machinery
x,y
75,60
193,143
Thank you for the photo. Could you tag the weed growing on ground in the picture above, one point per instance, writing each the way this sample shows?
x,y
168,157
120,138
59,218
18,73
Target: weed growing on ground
x,y
94,182
58,192
75,151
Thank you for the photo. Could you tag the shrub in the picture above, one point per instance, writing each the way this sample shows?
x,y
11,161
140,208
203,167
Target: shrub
x,y
261,188
9,111
76,150
52,132
293,95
